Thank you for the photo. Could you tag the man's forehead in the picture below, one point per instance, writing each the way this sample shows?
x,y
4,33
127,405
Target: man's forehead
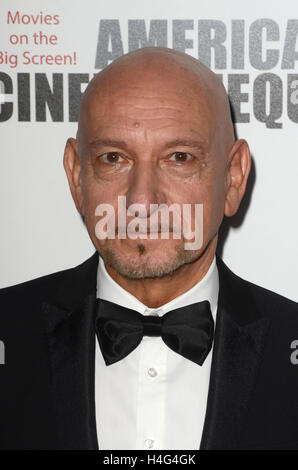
x,y
163,104
142,87
143,121
149,122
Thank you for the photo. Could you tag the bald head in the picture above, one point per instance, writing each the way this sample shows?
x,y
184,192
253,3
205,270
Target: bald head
x,y
153,69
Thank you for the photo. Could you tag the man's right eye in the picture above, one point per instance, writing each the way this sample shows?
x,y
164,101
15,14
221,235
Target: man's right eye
x,y
111,157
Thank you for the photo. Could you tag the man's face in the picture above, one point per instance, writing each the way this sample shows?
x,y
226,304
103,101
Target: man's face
x,y
154,141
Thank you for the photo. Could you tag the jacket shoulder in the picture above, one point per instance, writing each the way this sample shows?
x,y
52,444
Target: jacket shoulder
x,y
47,284
273,303
268,303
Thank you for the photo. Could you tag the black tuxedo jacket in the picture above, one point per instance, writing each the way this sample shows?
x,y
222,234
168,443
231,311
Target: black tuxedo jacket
x,y
47,382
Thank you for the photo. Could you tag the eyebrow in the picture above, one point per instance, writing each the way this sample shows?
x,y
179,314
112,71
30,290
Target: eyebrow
x,y
174,143
108,143
186,143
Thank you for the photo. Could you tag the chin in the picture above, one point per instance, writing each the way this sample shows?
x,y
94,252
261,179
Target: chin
x,y
146,261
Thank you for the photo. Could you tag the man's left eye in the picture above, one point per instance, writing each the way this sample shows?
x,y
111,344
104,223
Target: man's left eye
x,y
180,157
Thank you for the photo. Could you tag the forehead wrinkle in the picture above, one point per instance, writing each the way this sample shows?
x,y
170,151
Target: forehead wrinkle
x,y
199,128
183,141
141,113
148,136
149,102
124,98
175,98
107,97
153,124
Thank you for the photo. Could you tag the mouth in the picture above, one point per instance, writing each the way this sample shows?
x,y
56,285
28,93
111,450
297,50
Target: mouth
x,y
147,232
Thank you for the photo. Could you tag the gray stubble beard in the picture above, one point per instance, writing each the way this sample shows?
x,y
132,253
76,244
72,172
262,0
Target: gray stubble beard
x,y
144,270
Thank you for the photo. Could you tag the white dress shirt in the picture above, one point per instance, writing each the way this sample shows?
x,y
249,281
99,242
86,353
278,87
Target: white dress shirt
x,y
154,398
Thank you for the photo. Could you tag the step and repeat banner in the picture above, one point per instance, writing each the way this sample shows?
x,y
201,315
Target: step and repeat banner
x,y
50,50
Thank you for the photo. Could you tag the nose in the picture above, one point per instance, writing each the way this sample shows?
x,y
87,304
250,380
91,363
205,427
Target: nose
x,y
145,188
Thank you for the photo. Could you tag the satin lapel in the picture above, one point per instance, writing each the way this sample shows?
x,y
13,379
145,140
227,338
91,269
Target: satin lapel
x,y
71,341
239,341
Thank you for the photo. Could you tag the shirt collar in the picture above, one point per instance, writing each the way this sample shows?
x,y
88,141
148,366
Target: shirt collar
x,y
206,289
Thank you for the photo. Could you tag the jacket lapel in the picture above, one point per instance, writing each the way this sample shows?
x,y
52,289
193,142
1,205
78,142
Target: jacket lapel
x,y
69,323
239,341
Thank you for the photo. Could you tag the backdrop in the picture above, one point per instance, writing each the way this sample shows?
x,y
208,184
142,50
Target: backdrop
x,y
49,51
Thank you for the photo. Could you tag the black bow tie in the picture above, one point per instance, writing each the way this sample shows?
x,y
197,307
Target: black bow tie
x,y
187,330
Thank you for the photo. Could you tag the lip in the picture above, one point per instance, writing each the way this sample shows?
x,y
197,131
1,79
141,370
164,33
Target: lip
x,y
144,233
150,231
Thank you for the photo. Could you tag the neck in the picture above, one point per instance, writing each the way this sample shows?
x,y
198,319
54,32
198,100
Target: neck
x,y
158,291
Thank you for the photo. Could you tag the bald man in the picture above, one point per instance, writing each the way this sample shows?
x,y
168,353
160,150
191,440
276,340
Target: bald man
x,y
152,343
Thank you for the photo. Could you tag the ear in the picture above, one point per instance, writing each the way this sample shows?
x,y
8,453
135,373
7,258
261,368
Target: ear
x,y
71,163
239,164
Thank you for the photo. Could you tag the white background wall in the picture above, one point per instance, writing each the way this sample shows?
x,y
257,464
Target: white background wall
x,y
40,229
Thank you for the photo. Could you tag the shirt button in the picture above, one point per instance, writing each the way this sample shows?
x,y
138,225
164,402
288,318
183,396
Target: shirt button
x,y
149,443
152,372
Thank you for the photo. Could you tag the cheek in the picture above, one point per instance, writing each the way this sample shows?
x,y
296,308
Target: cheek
x,y
219,193
214,205
93,194
212,195
96,193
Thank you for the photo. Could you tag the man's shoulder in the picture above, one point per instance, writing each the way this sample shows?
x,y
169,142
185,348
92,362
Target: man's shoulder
x,y
46,286
272,303
269,303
